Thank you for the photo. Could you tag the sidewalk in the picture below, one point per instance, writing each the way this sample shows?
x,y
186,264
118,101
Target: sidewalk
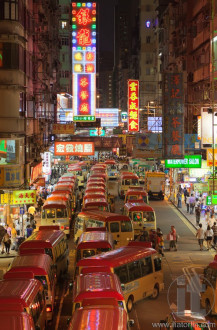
x,y
191,217
12,254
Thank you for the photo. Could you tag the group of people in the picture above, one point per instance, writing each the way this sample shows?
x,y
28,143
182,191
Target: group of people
x,y
210,235
157,239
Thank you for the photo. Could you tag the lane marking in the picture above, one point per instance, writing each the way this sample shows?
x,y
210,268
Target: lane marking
x,y
60,307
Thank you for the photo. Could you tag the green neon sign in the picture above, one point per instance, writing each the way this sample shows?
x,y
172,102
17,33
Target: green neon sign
x,y
208,200
214,199
189,161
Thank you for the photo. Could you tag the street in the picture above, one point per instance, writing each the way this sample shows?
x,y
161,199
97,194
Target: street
x,y
186,260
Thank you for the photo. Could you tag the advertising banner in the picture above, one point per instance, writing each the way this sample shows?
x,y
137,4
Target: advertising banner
x,y
133,105
189,161
209,157
63,129
84,60
36,171
149,141
46,168
207,122
24,197
173,116
74,149
11,176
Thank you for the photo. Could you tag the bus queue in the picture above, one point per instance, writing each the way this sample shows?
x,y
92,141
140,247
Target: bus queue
x,y
105,282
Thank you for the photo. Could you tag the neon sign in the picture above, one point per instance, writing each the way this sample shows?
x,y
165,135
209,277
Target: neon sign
x,y
84,60
133,105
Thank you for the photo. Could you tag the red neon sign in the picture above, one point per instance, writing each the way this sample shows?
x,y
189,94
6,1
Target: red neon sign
x,y
83,37
83,17
133,105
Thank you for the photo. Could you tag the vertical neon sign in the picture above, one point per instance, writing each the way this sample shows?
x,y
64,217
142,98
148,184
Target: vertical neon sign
x,y
133,105
84,60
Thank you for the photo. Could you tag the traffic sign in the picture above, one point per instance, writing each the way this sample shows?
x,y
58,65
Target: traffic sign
x,y
22,210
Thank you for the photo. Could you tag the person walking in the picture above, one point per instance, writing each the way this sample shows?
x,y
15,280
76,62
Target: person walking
x,y
187,202
192,203
208,236
13,238
185,194
29,231
172,238
144,237
200,236
214,228
7,242
160,244
197,213
8,229
179,198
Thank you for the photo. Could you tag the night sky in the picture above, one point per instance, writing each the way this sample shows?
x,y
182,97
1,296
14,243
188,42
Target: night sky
x,y
106,25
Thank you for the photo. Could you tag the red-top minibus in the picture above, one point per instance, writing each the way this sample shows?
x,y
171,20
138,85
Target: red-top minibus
x,y
96,183
41,266
95,188
53,242
22,304
127,179
93,242
96,203
98,286
105,317
138,267
97,194
134,194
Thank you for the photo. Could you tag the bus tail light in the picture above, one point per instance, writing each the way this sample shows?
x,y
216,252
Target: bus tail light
x,y
49,308
66,227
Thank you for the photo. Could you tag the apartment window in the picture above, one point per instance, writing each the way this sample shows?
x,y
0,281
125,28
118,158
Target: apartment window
x,y
64,74
64,9
63,57
9,10
64,41
148,39
11,56
64,24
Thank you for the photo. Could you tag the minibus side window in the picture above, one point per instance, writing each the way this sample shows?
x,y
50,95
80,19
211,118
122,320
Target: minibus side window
x,y
148,216
114,227
157,264
137,216
49,252
127,182
134,181
126,226
134,270
146,266
88,253
60,213
122,273
51,213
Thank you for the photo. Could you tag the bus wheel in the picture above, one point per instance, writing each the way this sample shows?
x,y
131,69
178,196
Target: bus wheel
x,y
208,308
129,304
155,293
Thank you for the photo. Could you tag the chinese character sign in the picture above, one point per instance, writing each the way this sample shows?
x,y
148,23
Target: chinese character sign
x,y
46,168
63,129
74,149
84,60
133,105
24,197
173,116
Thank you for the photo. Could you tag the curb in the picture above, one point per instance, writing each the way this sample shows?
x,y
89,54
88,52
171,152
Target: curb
x,y
183,214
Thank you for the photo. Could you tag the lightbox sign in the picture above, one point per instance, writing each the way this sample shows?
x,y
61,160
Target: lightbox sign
x,y
207,126
193,161
109,117
133,105
97,132
84,60
74,149
124,117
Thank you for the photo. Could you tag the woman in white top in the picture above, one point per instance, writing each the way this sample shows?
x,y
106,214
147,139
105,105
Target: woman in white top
x,y
208,236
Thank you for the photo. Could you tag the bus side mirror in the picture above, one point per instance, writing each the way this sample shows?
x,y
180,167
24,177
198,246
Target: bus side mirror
x,y
122,287
131,323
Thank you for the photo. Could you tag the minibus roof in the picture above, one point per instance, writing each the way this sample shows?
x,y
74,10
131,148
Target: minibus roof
x,y
97,202
94,188
18,294
138,188
52,204
15,320
92,195
43,239
138,206
118,257
96,182
61,197
136,192
61,190
65,184
68,175
97,285
95,185
98,174
110,162
128,175
95,239
39,264
106,216
74,168
90,270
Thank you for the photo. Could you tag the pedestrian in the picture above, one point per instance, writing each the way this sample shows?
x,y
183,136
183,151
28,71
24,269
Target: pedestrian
x,y
160,244
212,220
7,242
17,227
185,194
200,236
31,210
153,238
8,229
13,238
172,236
29,231
179,198
208,236
187,202
214,228
192,203
144,237
207,215
197,213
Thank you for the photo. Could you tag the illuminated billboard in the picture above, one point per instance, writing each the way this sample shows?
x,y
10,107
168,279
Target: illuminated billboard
x,y
84,60
74,149
133,105
109,117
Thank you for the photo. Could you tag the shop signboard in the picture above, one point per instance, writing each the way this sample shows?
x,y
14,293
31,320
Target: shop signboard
x,y
137,153
173,116
124,117
46,168
109,116
7,198
63,129
214,199
11,176
97,132
84,38
24,197
208,200
209,158
36,171
207,124
189,161
210,185
74,149
133,105
201,187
